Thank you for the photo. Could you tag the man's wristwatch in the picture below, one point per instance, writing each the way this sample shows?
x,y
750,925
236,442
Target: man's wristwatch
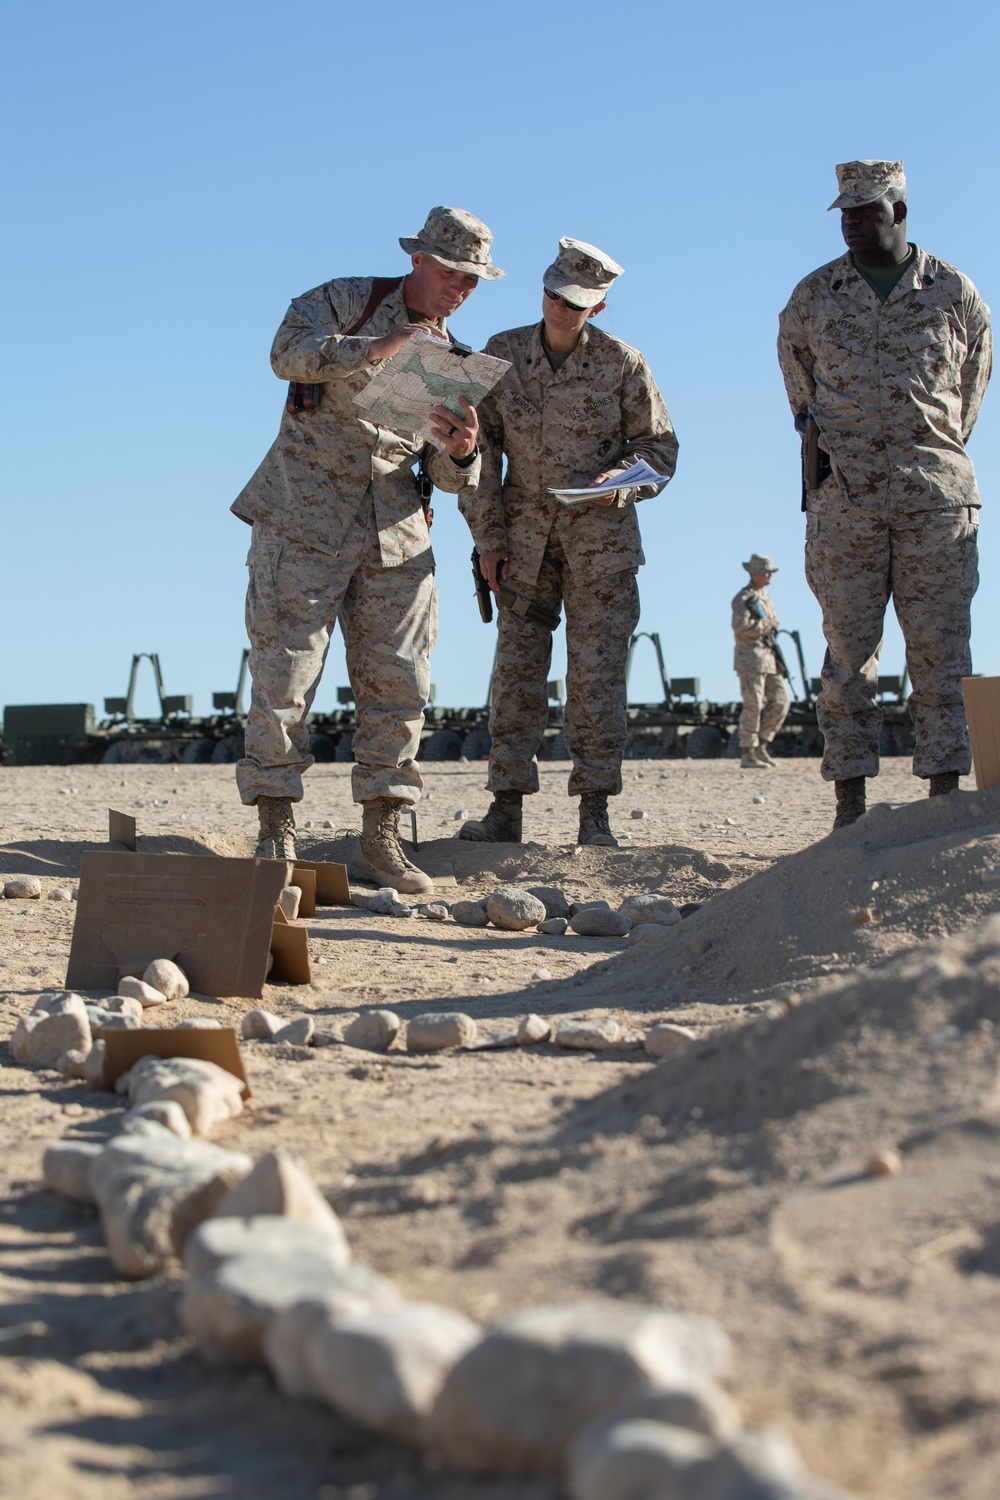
x,y
463,463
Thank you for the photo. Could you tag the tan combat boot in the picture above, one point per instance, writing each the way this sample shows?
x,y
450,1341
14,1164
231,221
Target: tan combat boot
x,y
277,828
378,855
502,823
749,761
762,757
594,826
851,801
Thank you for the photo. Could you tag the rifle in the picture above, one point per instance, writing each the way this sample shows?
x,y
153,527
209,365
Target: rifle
x,y
771,639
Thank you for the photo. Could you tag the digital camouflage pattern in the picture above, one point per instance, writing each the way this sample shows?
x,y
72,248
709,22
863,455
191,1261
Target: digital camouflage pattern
x,y
861,182
895,389
762,687
323,463
601,615
389,620
581,273
928,563
457,239
753,654
600,412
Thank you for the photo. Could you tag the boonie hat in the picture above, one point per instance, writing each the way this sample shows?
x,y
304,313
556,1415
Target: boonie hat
x,y
581,273
458,240
862,182
760,564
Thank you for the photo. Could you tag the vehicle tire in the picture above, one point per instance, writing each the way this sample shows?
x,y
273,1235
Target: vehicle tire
x,y
476,745
441,744
704,743
343,751
226,752
197,752
322,747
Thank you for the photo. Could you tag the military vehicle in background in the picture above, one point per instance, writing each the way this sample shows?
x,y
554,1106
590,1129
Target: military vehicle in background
x,y
681,723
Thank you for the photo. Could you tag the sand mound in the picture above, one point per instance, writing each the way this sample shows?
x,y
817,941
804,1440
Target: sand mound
x,y
895,879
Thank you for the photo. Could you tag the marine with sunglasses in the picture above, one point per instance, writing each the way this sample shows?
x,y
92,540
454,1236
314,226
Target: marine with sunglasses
x,y
577,407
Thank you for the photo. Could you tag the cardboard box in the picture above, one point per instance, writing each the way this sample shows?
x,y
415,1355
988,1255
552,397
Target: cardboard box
x,y
213,916
982,709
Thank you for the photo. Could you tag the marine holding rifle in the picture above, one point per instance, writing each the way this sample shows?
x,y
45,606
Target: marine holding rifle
x,y
886,353
577,407
760,666
339,532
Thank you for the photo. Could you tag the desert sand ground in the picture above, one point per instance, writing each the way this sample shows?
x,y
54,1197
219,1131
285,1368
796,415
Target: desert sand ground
x,y
846,995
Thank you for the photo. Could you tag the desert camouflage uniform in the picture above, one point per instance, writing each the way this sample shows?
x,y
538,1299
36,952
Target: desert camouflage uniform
x,y
762,686
600,412
339,531
895,389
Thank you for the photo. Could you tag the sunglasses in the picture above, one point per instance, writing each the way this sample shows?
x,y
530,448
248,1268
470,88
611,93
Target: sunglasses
x,y
573,306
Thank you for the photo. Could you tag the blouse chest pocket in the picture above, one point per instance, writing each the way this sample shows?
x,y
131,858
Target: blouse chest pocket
x,y
934,354
842,354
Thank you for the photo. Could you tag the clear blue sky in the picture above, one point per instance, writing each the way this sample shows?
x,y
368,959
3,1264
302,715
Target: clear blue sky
x,y
176,172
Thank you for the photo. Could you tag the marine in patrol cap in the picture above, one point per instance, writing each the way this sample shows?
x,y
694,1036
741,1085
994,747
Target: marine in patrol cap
x,y
758,563
581,273
862,182
458,240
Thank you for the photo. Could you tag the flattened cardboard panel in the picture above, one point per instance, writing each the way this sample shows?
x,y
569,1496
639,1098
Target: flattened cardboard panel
x,y
280,919
290,946
305,878
982,709
122,1049
121,829
332,885
214,915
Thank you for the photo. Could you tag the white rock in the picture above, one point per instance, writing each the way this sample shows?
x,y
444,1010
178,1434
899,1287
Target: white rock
x,y
759,801
99,1018
374,1030
229,1309
167,977
554,926
60,893
542,974
66,1169
460,813
165,1112
435,911
280,1184
152,1192
435,1030
666,1040
123,1005
387,904
587,1036
514,1403
298,1032
514,910
269,1236
650,907
198,1023
207,1094
139,990
72,1064
259,1025
23,888
93,1068
50,1001
533,1029
650,1458
289,901
42,1037
697,1408
384,1368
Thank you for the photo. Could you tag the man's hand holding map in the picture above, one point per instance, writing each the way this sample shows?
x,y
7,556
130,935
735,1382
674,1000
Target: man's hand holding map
x,y
425,373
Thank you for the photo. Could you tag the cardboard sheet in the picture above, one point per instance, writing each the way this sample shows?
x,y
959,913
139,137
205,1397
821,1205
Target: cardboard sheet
x,y
290,946
121,829
332,885
213,916
122,1049
982,709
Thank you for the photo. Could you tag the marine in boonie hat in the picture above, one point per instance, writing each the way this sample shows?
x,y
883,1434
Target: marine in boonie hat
x,y
758,563
862,182
581,273
458,240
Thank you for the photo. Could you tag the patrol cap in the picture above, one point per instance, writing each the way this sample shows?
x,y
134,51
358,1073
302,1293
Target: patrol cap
x,y
862,182
581,273
758,563
458,240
